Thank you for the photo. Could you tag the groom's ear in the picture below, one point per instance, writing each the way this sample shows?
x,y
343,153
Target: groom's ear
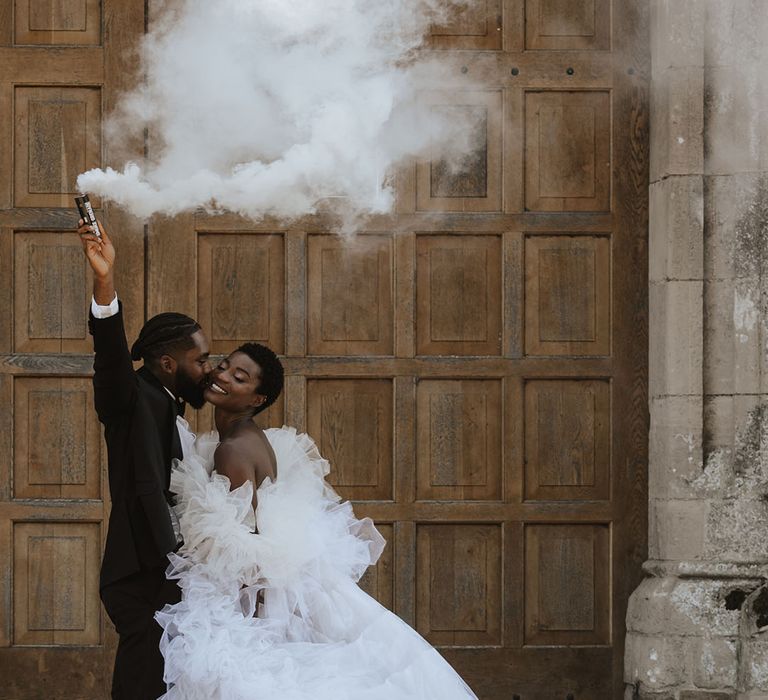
x,y
168,364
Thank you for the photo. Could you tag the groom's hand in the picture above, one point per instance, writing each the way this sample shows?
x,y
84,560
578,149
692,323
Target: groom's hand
x,y
101,257
100,253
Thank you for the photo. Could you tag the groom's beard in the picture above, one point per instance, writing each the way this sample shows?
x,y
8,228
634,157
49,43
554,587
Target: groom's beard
x,y
188,390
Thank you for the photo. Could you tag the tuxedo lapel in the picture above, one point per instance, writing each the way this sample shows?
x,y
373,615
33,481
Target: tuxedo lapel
x,y
164,410
176,451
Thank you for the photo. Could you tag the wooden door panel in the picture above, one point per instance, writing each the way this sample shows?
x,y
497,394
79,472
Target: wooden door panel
x,y
558,612
568,304
56,583
567,439
57,445
567,24
52,289
474,26
57,136
349,295
567,151
458,295
49,22
351,420
459,433
458,584
241,289
470,183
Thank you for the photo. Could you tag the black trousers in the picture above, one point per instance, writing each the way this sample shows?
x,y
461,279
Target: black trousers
x,y
131,604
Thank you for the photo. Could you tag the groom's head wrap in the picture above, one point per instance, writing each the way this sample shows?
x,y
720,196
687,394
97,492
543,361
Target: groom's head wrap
x,y
163,334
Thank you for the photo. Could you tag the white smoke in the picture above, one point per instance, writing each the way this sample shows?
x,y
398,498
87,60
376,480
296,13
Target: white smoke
x,y
270,107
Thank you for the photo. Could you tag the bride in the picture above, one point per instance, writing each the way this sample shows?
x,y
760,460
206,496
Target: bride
x,y
269,567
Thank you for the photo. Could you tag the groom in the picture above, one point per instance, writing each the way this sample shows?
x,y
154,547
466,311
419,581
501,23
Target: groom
x,y
142,413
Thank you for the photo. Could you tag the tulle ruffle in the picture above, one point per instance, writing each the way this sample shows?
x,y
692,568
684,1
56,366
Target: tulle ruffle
x,y
278,614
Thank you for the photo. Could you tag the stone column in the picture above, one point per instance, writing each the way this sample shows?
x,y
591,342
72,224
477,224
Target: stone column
x,y
693,625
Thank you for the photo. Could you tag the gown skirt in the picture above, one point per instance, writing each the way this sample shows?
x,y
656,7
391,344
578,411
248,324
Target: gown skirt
x,y
270,606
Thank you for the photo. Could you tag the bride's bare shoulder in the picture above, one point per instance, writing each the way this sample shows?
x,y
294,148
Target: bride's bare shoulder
x,y
231,456
231,448
247,452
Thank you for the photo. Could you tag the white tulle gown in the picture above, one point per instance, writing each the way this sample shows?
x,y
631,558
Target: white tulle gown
x,y
316,635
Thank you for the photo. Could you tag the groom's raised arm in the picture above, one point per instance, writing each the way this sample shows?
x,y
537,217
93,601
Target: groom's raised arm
x,y
114,381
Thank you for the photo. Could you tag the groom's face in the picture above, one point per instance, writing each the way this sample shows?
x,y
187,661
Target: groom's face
x,y
192,369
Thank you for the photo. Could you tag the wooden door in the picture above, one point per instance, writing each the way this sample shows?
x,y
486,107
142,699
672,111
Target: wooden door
x,y
61,64
474,366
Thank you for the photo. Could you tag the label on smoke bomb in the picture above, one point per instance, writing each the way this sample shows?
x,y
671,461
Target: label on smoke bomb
x,y
84,204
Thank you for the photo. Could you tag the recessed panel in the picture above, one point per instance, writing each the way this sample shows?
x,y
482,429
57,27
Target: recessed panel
x,y
458,295
52,22
567,439
351,420
57,135
567,24
350,295
458,584
56,439
475,25
567,295
567,151
52,293
468,177
56,583
567,584
378,581
241,289
459,429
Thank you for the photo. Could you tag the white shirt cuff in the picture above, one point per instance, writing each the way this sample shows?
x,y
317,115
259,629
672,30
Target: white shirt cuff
x,y
104,311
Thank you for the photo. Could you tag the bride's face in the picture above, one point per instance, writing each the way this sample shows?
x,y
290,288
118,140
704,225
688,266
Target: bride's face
x,y
234,384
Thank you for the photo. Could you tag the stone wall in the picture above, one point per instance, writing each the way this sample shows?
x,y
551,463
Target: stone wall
x,y
694,624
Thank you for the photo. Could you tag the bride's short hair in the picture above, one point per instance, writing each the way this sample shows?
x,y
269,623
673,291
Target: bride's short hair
x,y
271,372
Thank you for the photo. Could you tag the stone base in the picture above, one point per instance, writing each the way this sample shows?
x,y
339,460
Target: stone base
x,y
695,633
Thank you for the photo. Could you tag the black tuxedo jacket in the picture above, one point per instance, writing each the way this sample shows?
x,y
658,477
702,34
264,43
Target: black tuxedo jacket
x,y
139,418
